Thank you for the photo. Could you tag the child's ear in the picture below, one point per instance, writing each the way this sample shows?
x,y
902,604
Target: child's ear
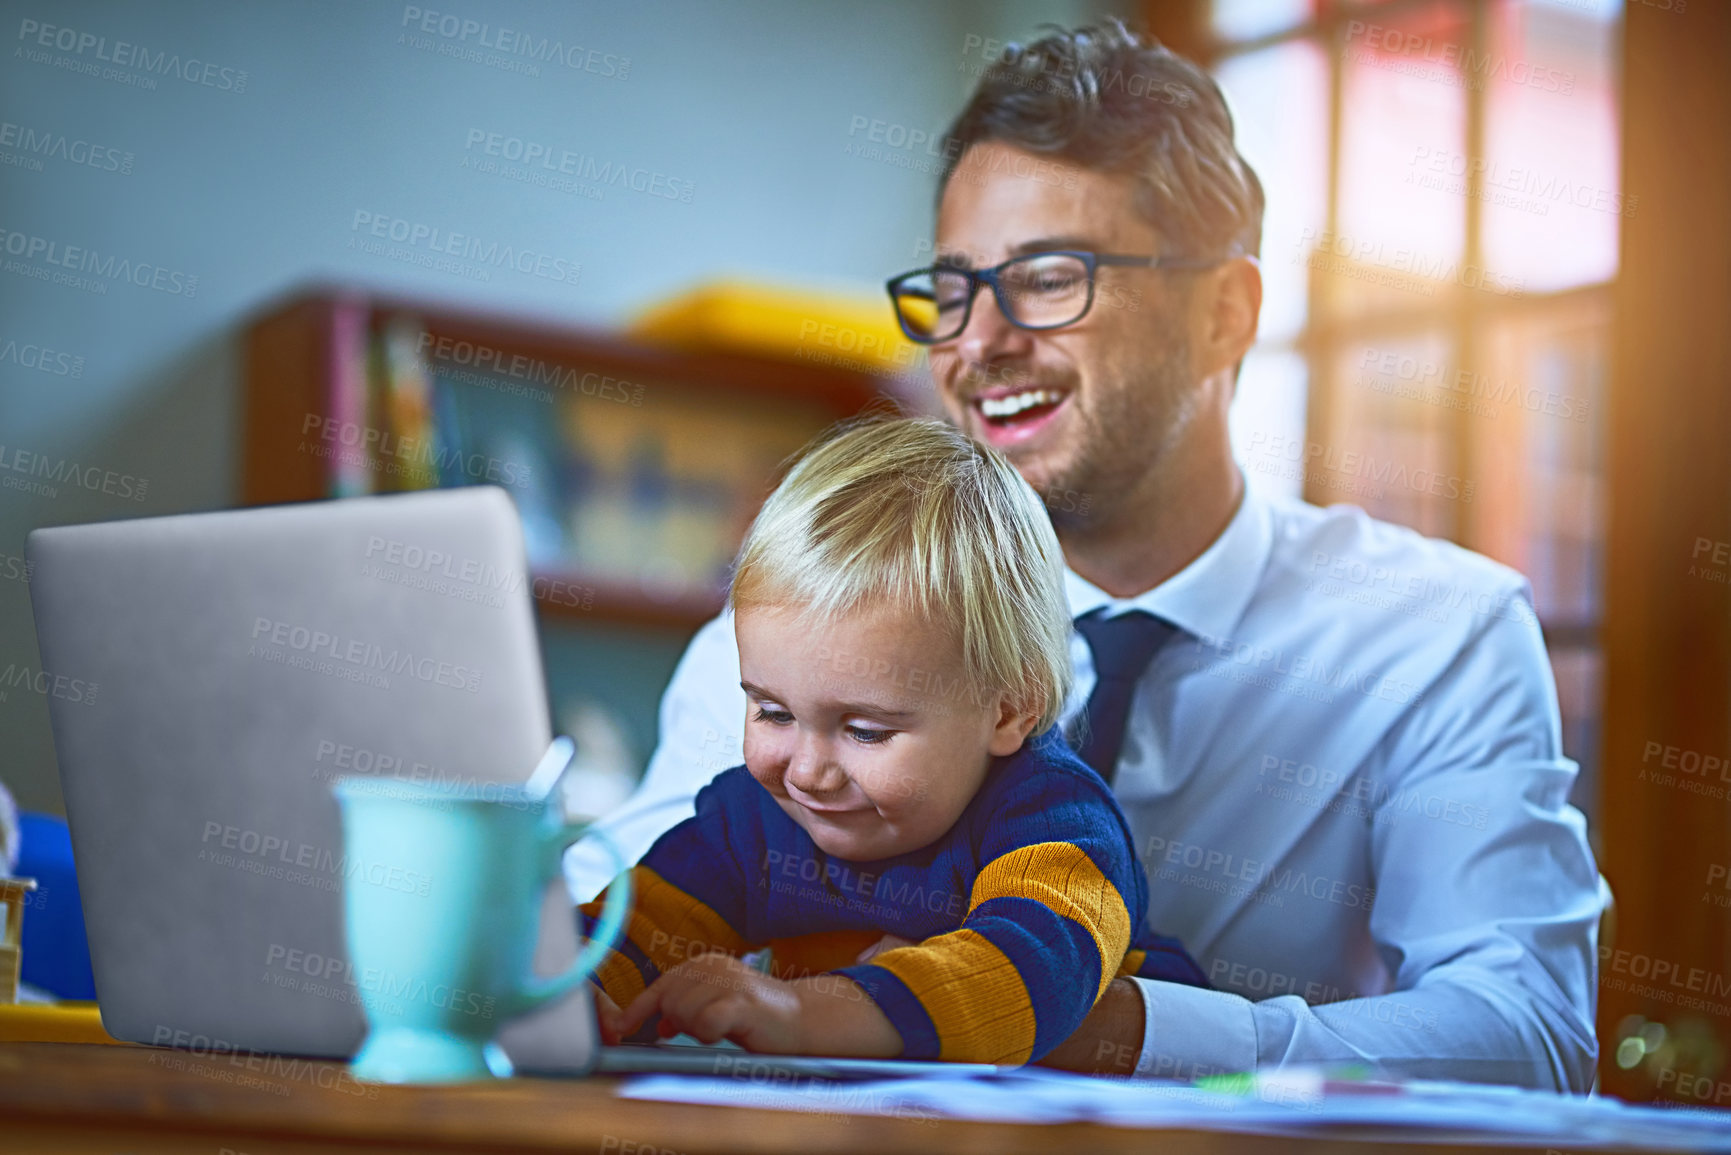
x,y
1012,729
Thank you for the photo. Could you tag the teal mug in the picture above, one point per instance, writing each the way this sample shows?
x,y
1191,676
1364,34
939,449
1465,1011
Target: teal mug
x,y
442,899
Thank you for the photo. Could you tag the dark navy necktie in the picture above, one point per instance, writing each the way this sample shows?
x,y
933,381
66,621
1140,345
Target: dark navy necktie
x,y
1122,648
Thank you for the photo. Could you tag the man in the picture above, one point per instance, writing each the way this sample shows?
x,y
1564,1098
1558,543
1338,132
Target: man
x,y
1352,809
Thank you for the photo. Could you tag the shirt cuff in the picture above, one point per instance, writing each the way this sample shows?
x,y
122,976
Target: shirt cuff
x,y
900,1006
1189,1032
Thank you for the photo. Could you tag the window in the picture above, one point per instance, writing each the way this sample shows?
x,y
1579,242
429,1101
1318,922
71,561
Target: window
x,y
1438,256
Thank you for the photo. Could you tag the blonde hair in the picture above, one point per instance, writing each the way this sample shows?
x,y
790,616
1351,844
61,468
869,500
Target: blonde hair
x,y
914,514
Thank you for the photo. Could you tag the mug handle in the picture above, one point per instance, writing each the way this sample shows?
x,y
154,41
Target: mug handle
x,y
536,990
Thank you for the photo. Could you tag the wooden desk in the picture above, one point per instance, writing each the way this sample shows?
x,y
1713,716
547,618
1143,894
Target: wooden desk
x,y
66,1097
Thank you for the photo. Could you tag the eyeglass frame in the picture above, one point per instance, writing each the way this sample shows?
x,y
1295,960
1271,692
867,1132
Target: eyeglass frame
x,y
978,277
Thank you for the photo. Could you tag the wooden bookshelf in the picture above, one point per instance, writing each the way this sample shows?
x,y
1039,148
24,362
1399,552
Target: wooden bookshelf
x,y
313,364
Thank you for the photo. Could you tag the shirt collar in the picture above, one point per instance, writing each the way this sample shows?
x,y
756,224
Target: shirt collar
x,y
1207,597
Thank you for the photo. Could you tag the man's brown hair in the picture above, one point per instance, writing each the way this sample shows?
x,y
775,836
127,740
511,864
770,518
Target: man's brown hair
x,y
1102,98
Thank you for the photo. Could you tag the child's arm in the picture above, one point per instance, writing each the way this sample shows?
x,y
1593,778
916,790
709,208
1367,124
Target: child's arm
x,y
1046,929
690,897
718,997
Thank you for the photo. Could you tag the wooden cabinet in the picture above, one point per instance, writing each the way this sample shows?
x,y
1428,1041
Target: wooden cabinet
x,y
636,466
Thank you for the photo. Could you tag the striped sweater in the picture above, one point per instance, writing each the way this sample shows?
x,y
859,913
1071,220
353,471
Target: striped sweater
x,y
1023,912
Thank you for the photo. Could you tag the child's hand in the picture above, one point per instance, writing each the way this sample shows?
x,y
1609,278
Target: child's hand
x,y
609,1016
715,997
887,942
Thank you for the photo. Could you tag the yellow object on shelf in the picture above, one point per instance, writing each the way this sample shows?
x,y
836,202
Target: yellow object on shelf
x,y
73,1022
821,327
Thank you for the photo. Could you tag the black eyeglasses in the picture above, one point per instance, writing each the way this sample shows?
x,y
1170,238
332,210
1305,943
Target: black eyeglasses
x,y
1037,291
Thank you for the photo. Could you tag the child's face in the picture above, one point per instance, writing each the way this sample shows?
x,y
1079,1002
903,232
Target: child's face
x,y
865,729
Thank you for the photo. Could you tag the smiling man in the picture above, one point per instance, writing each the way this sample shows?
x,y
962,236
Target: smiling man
x,y
1336,742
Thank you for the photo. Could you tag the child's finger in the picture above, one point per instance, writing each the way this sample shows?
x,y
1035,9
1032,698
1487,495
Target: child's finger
x,y
642,1008
685,1001
719,1018
608,1016
672,996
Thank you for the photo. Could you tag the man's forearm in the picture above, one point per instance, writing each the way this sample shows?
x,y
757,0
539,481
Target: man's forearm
x,y
1109,1039
1447,1030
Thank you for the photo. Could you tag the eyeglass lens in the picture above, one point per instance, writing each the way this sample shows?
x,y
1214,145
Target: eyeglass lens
x,y
1043,290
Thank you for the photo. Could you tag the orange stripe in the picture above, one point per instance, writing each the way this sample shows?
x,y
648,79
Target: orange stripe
x,y
974,995
1060,875
811,954
620,978
668,926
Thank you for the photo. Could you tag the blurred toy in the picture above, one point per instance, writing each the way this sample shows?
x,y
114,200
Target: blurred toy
x,y
12,892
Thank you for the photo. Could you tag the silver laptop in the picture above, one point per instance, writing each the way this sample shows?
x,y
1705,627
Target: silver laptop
x,y
214,710
207,710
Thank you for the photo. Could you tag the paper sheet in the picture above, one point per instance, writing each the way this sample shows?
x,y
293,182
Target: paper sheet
x,y
1031,1095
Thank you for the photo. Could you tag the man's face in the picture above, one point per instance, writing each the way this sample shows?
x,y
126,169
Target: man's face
x,y
1096,402
863,729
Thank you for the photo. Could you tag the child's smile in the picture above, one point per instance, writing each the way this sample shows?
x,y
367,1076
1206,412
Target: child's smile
x,y
844,729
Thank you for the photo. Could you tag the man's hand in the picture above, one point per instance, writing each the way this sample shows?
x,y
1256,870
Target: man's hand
x,y
1109,1039
714,997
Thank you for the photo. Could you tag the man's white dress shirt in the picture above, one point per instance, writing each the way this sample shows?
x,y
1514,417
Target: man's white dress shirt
x,y
1346,781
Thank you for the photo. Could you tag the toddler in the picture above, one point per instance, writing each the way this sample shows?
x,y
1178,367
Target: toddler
x,y
933,872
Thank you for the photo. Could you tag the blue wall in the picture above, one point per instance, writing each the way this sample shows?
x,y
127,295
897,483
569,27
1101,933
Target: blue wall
x,y
252,185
